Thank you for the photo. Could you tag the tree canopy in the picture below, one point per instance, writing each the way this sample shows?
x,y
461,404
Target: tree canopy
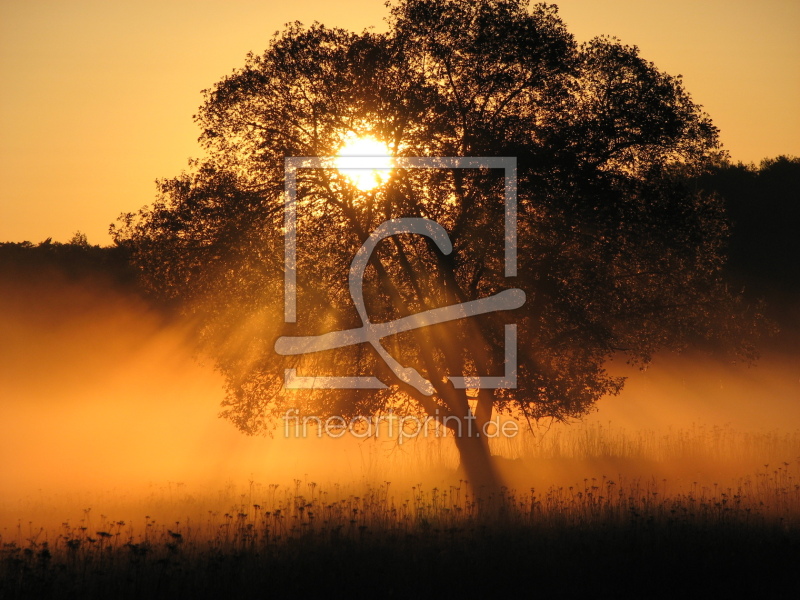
x,y
617,254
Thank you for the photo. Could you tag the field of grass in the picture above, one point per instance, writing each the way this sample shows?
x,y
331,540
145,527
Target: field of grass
x,y
623,532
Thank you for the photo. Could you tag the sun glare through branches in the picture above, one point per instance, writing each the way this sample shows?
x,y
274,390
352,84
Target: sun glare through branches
x,y
365,161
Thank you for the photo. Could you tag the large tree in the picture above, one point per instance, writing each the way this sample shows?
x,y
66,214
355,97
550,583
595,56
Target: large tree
x,y
616,254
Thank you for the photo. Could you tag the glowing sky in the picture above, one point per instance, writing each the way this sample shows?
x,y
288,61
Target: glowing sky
x,y
97,97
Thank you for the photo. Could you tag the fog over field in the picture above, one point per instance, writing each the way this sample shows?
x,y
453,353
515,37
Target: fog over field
x,y
105,407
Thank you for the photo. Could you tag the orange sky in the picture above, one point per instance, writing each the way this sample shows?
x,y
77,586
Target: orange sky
x,y
97,97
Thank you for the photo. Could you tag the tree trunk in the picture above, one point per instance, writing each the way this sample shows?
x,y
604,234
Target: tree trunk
x,y
477,463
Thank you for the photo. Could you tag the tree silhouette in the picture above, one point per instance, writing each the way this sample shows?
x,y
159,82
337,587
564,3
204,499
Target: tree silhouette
x,y
616,254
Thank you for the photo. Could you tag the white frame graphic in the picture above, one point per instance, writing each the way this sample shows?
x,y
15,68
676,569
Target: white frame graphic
x,y
294,163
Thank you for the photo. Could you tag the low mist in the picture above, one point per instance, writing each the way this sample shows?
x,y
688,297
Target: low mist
x,y
104,406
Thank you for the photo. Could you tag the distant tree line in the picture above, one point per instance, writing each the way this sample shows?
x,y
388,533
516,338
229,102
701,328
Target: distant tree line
x,y
763,206
76,260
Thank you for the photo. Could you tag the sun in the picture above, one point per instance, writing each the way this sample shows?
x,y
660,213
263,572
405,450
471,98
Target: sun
x,y
365,161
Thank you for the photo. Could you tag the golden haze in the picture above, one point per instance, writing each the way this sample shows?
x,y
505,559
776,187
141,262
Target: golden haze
x,y
104,406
